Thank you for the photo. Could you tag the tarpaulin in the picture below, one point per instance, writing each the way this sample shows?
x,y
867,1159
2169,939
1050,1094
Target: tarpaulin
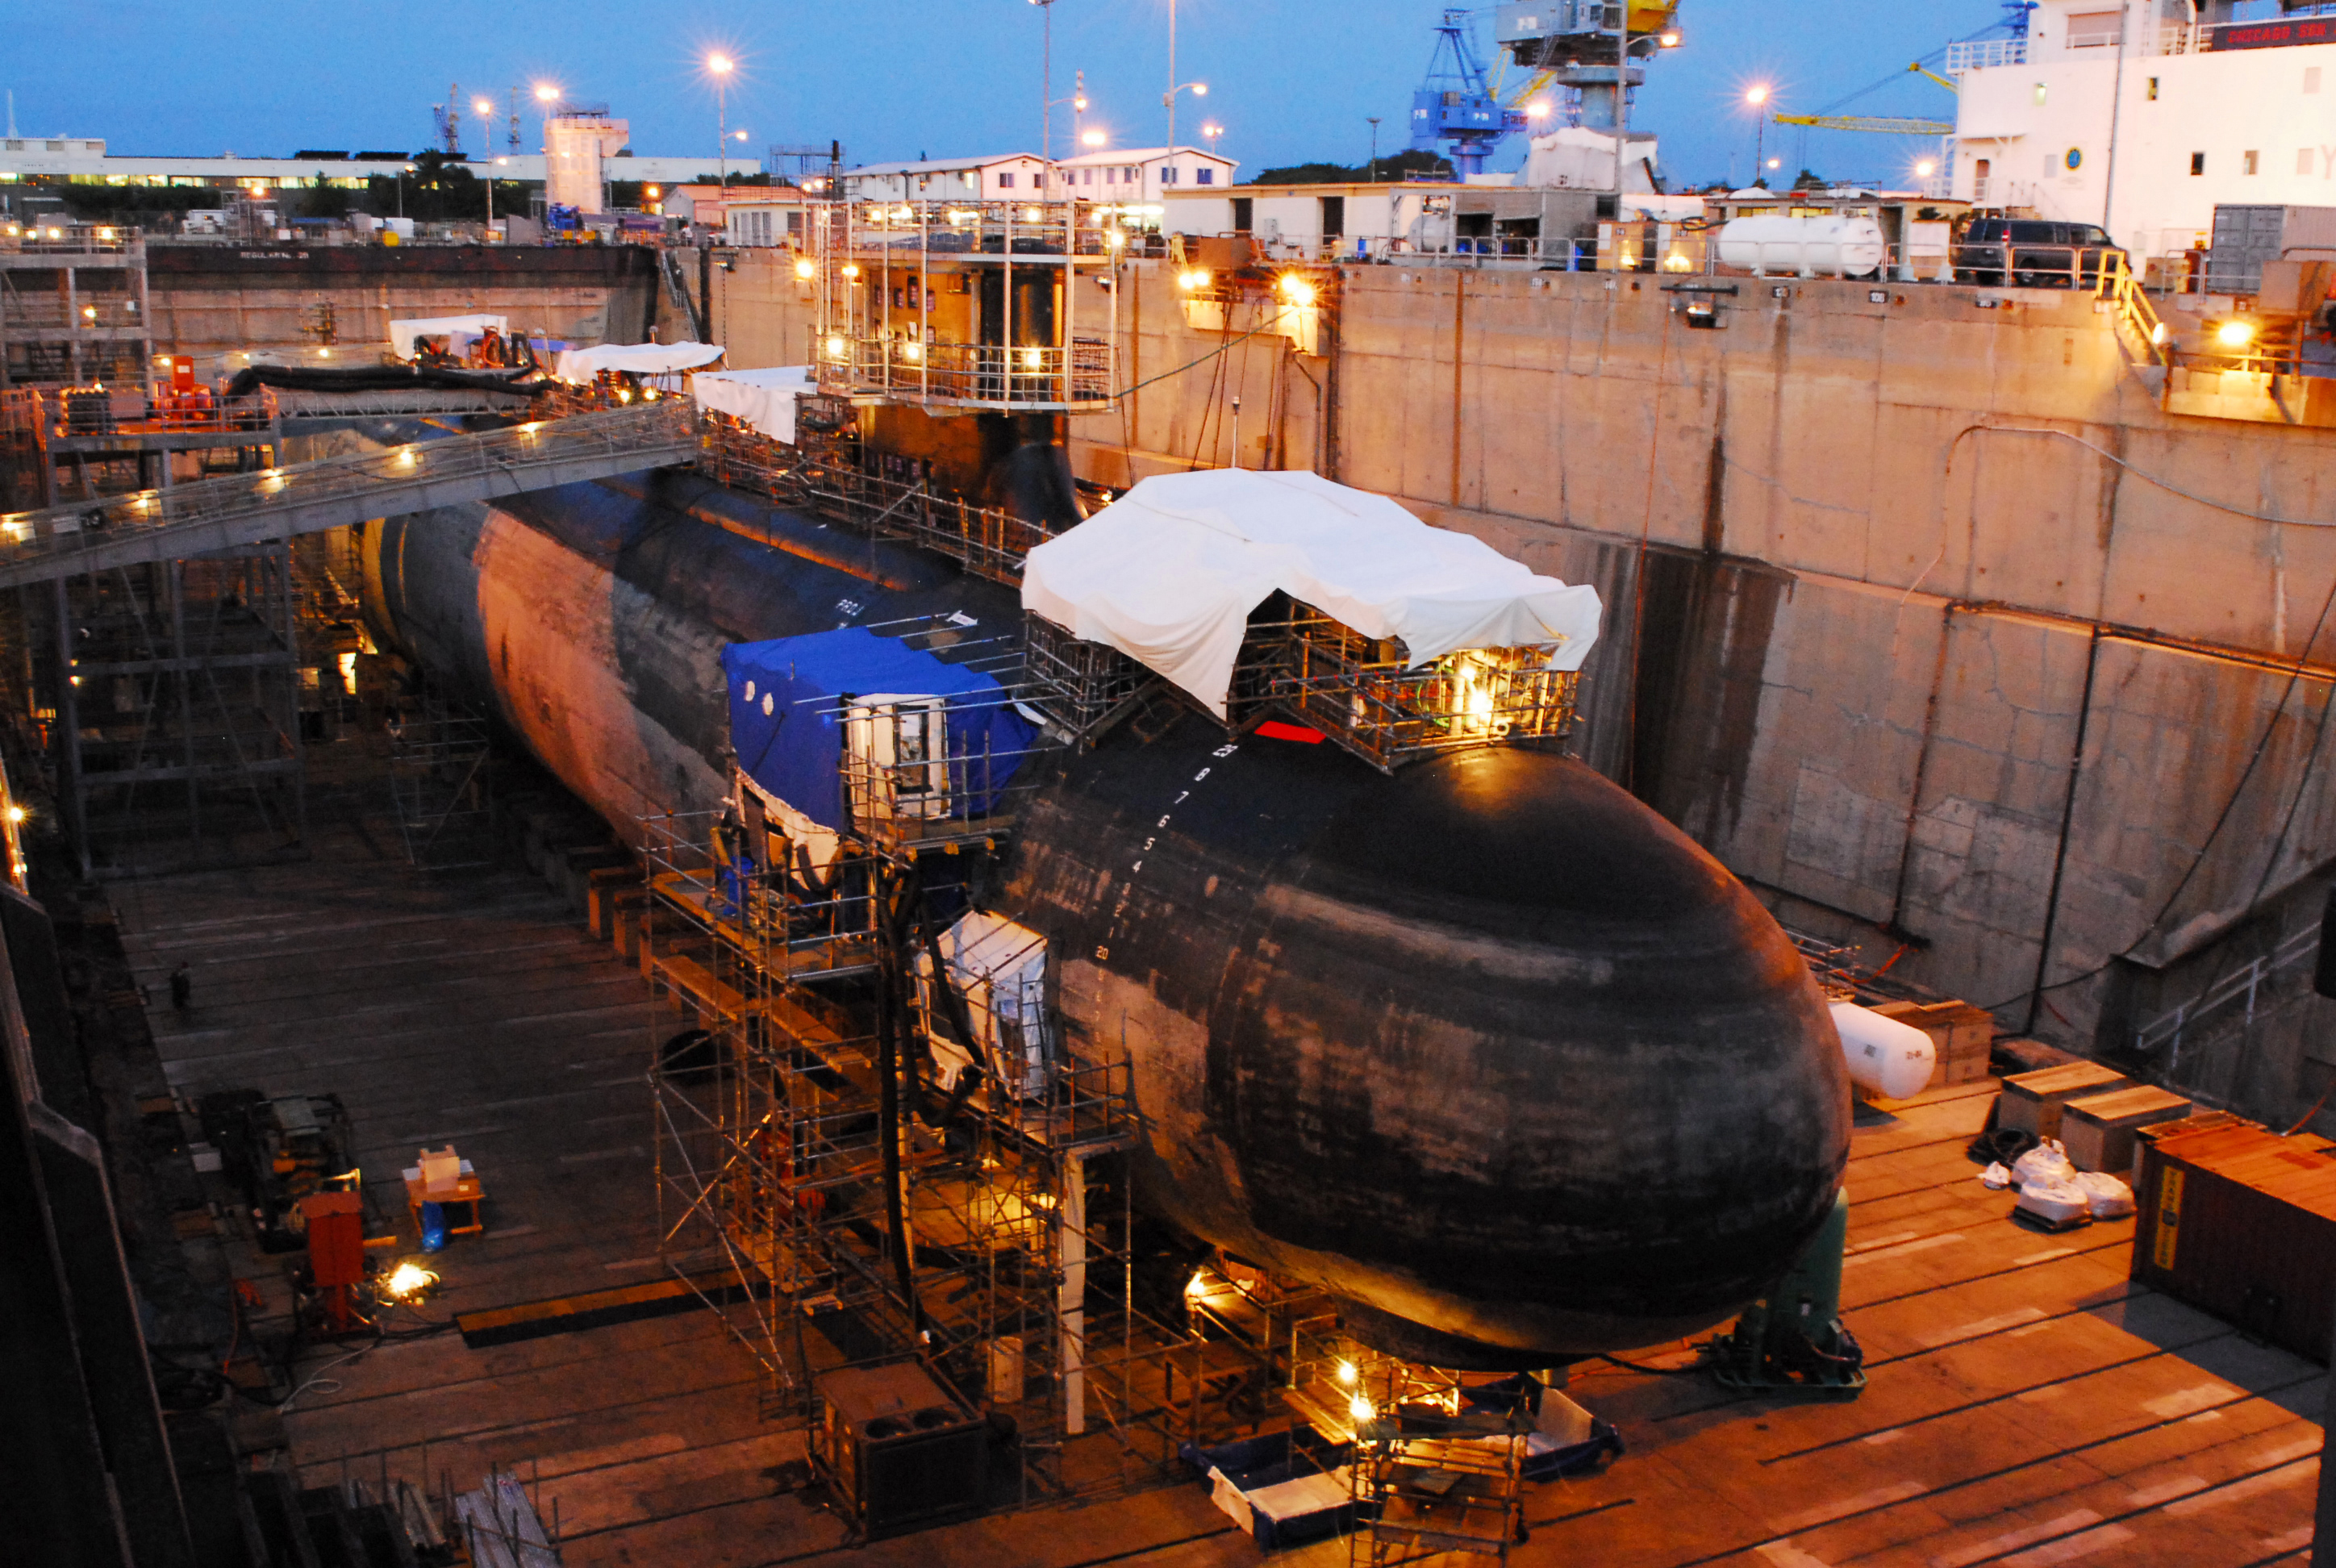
x,y
579,366
763,399
788,719
1168,574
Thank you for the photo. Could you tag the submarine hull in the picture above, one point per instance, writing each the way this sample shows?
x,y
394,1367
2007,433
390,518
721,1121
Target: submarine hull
x,y
1486,1048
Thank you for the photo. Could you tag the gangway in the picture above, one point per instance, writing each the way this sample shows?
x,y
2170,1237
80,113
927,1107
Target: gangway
x,y
236,511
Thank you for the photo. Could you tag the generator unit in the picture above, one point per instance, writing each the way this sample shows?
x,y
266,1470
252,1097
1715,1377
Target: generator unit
x,y
897,1449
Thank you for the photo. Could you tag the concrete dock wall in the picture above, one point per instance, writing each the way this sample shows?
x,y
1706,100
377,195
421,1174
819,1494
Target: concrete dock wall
x,y
209,299
1920,615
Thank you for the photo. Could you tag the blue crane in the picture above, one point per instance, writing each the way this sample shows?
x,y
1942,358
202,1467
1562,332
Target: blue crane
x,y
1456,105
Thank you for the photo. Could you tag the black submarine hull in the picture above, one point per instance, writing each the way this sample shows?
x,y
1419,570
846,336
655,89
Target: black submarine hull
x,y
1486,1048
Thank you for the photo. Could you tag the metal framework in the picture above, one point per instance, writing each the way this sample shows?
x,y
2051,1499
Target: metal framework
x,y
965,306
73,306
439,784
866,1152
181,679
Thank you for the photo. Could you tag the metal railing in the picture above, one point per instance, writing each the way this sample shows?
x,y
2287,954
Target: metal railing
x,y
63,240
62,532
1034,227
2165,1032
2134,311
976,373
1985,54
986,541
2016,264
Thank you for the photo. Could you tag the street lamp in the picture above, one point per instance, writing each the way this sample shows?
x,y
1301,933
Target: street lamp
x,y
1756,96
1197,90
719,66
1094,138
1374,169
486,111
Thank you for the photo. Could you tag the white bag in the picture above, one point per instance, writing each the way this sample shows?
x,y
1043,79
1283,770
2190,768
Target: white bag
x,y
2047,1161
2057,1201
2108,1198
1995,1178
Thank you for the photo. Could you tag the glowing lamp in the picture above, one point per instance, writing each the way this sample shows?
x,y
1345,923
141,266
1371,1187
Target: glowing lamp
x,y
1296,289
803,269
2235,334
835,349
16,814
1361,1408
1346,1373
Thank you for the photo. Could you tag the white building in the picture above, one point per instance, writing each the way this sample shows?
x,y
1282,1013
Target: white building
x,y
86,160
1144,174
2141,120
1002,177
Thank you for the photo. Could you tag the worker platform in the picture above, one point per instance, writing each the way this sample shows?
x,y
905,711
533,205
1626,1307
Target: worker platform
x,y
242,510
965,306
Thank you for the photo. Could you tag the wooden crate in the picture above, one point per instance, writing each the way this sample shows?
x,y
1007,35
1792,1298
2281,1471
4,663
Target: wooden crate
x,y
2031,1102
1961,1037
2098,1130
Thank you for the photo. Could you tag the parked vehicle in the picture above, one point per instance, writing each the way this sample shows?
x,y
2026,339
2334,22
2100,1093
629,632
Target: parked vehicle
x,y
2031,253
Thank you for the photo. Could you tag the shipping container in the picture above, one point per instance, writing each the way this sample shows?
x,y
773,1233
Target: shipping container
x,y
2240,1223
2247,236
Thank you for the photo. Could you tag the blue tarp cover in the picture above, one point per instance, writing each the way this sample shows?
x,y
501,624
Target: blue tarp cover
x,y
785,726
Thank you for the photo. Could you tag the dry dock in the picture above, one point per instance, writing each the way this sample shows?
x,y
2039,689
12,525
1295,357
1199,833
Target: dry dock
x,y
2027,1404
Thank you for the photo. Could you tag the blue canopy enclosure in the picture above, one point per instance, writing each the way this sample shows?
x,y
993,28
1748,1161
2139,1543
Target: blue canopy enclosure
x,y
787,722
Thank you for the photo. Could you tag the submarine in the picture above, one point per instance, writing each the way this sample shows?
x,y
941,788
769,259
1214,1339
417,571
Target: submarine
x,y
1484,1047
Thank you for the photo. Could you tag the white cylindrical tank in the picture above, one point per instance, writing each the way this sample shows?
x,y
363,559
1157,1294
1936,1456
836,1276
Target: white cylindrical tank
x,y
1835,247
1891,1058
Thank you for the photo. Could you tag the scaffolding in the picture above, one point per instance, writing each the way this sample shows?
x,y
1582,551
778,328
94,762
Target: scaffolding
x,y
965,306
175,680
875,1141
439,784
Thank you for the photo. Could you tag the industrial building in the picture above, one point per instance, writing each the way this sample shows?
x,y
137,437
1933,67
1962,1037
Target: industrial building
x,y
932,870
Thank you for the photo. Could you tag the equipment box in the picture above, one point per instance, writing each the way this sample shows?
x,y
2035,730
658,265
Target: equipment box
x,y
898,1448
2242,1222
2031,1102
2098,1130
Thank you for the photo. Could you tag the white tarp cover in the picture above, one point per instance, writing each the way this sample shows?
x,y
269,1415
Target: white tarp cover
x,y
1168,573
457,330
764,399
579,366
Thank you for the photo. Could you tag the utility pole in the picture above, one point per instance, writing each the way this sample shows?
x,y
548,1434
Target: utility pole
x,y
1373,173
2116,103
1621,102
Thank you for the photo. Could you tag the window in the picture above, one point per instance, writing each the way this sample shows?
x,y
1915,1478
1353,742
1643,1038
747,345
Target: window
x,y
1168,174
2246,163
1005,181
2096,29
1206,176
2197,163
2312,79
1090,177
1334,217
1244,209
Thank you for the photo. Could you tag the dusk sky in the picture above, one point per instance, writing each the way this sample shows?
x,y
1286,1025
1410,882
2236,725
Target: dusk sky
x,y
1288,81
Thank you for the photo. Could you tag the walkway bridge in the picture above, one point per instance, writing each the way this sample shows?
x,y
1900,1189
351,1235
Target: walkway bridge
x,y
240,510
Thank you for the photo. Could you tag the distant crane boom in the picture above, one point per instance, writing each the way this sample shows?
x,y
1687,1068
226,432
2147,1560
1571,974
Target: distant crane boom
x,y
1883,125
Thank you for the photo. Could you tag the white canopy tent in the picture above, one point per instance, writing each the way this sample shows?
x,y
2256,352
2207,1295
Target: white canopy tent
x,y
1168,574
763,399
457,330
579,366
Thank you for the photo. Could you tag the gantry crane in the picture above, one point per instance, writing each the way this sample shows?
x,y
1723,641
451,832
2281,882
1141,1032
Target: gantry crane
x,y
1558,43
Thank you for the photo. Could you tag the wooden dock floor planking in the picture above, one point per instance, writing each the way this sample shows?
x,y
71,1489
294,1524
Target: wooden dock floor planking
x,y
2027,1404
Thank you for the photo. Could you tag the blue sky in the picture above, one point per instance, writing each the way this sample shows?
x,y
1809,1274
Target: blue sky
x,y
1289,80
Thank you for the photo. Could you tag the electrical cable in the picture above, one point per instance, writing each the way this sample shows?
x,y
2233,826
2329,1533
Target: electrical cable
x,y
1687,1371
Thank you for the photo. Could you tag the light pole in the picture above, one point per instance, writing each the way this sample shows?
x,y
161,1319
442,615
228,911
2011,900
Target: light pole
x,y
1168,99
486,107
1756,96
1372,173
1046,93
720,66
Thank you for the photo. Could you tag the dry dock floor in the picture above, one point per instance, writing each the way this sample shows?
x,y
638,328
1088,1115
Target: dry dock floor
x,y
2027,1404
